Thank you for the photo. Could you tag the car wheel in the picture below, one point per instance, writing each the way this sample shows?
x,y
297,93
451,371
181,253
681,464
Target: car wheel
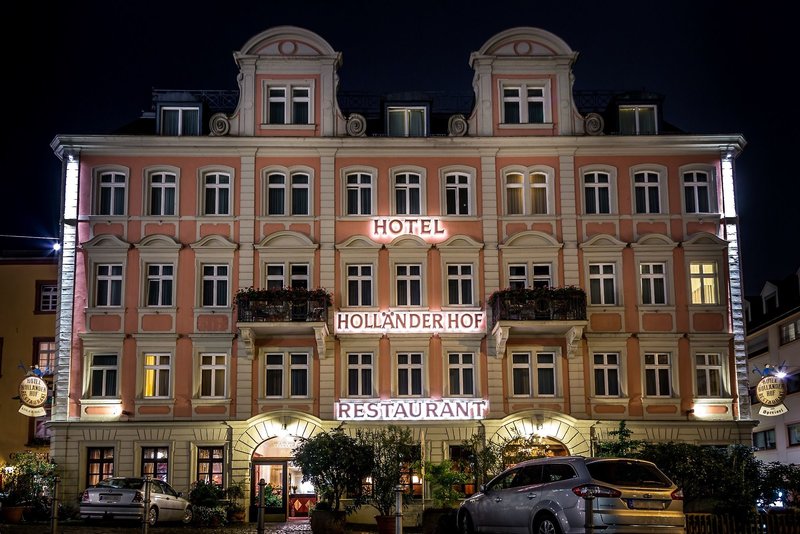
x,y
187,515
152,516
546,524
465,525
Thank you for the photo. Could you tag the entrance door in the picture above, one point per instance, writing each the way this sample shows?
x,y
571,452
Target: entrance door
x,y
274,473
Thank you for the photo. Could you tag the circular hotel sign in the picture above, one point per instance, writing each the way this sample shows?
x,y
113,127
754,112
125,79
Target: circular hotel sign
x,y
33,391
771,391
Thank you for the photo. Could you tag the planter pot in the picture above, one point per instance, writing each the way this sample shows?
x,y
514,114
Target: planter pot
x,y
439,521
12,514
328,522
386,524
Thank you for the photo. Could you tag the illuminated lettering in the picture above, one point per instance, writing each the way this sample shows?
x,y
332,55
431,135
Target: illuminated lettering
x,y
428,228
411,409
406,321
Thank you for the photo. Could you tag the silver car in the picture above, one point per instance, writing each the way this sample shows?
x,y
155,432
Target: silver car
x,y
123,497
548,496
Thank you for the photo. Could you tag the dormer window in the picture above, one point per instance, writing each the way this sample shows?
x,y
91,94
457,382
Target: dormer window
x,y
525,103
180,120
638,120
408,121
289,104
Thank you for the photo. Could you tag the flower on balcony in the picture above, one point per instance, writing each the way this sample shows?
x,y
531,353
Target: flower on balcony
x,y
284,294
521,295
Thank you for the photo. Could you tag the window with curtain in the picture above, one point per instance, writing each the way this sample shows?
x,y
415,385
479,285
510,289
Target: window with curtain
x,y
211,464
163,188
606,374
99,464
359,194
157,371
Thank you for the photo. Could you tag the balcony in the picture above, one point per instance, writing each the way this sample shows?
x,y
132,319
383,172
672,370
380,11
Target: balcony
x,y
559,311
262,313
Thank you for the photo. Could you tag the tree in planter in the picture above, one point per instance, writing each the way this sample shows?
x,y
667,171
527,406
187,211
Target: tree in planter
x,y
442,478
394,451
235,495
335,463
207,508
28,481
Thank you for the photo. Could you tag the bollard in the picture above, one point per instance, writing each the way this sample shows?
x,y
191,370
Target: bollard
x,y
54,506
398,509
261,484
146,511
588,518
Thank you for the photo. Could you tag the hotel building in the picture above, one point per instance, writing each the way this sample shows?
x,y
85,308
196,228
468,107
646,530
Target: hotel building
x,y
243,270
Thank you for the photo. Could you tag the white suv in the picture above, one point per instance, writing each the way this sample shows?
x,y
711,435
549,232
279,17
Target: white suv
x,y
549,496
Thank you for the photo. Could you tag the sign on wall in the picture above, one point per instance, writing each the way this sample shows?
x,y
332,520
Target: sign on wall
x,y
33,395
411,409
410,322
771,391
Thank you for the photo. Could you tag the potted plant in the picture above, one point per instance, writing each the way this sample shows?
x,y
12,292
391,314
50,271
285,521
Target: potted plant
x,y
27,480
235,495
393,450
443,478
335,463
207,508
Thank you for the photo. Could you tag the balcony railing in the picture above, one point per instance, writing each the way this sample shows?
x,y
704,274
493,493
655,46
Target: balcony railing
x,y
289,305
541,304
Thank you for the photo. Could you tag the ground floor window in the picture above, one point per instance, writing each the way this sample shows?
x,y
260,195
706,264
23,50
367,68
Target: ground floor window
x,y
210,462
99,464
155,462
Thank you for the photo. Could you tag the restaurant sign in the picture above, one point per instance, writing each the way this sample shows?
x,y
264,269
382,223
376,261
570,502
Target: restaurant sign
x,y
771,392
411,409
33,395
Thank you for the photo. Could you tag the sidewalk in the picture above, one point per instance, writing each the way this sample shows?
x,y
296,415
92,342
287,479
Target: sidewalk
x,y
132,527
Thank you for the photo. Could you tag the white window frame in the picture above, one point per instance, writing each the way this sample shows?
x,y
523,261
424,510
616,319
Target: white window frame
x,y
460,277
291,183
48,298
522,100
655,365
606,367
637,109
181,111
699,293
529,364
598,187
526,185
648,279
160,280
408,284
461,369
458,183
291,360
406,112
712,372
290,100
405,186
363,280
152,372
600,277
209,372
790,331
215,278
109,182
168,179
359,181
651,180
694,190
355,366
219,209
111,279
410,365
104,370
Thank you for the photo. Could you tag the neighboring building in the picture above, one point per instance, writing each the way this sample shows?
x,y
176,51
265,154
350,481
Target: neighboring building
x,y
29,289
773,344
411,210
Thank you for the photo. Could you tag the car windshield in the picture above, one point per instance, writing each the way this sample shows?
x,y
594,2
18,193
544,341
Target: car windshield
x,y
121,483
628,473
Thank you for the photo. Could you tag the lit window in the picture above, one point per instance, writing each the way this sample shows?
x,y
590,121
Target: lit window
x,y
606,374
213,371
289,105
180,121
359,194
696,192
409,284
103,375
461,374
524,104
793,434
99,464
703,278
359,285
156,375
647,193
359,375
527,194
211,464
406,122
155,462
457,194
409,374
654,283
109,285
637,120
286,375
657,375
46,356
459,285
217,194
407,194
159,284
163,189
708,373
111,194
597,192
602,283
215,285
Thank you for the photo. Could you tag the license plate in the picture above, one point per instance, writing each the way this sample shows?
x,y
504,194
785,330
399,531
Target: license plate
x,y
109,498
644,504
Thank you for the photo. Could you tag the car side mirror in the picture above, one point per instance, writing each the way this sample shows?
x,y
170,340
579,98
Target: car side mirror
x,y
484,488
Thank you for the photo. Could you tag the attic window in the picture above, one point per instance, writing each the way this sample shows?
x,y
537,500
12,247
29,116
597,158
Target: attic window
x,y
407,121
180,120
638,120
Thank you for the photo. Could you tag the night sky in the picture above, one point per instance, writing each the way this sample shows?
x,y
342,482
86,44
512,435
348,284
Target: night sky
x,y
724,68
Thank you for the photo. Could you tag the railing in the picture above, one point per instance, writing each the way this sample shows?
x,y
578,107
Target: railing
x,y
541,308
264,310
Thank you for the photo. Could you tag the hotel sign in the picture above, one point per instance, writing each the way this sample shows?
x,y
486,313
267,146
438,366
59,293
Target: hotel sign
x,y
771,392
33,395
428,228
410,322
411,409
